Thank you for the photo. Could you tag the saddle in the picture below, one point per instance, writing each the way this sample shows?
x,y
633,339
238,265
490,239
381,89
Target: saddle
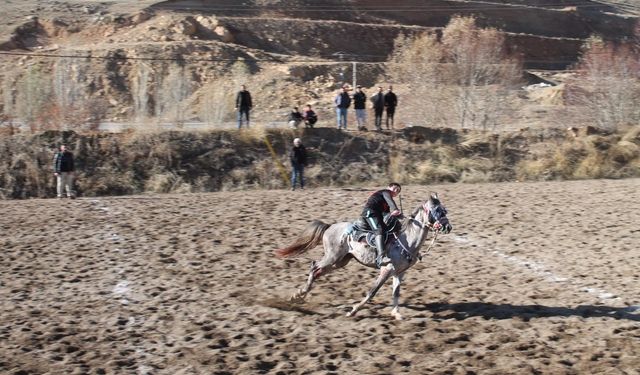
x,y
360,231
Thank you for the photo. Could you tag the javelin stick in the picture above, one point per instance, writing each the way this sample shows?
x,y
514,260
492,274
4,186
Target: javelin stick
x,y
401,210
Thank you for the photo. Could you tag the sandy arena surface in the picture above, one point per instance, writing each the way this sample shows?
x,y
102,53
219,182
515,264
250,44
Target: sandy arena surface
x,y
536,278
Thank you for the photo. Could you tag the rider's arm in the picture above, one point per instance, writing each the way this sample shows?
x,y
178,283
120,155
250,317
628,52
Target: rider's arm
x,y
393,209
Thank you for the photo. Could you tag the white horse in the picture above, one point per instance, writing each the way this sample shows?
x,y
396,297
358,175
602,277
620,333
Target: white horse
x,y
403,249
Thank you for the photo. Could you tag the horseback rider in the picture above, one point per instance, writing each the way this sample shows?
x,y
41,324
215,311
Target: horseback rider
x,y
379,204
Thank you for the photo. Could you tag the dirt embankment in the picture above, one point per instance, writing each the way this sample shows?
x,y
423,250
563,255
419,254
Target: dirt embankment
x,y
130,163
208,37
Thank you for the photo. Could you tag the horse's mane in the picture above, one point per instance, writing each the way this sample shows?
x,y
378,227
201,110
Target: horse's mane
x,y
407,219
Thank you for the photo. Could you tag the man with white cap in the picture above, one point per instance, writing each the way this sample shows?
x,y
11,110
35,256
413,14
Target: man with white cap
x,y
298,157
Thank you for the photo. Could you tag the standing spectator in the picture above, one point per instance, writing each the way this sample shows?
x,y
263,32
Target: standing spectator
x,y
342,102
378,107
309,116
390,102
243,105
295,118
63,169
298,156
360,104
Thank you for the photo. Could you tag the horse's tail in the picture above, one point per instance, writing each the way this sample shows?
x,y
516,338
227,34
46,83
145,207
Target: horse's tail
x,y
310,238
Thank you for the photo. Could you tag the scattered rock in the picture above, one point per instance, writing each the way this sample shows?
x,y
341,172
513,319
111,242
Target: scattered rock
x,y
188,26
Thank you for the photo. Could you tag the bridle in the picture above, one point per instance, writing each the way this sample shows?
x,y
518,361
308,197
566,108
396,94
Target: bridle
x,y
435,227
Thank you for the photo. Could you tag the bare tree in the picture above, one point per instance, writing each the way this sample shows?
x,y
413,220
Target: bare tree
x,y
219,94
463,78
140,91
607,90
68,108
173,91
34,94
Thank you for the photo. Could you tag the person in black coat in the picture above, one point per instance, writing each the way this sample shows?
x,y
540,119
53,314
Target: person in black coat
x,y
295,118
63,169
377,101
360,105
243,105
298,156
390,103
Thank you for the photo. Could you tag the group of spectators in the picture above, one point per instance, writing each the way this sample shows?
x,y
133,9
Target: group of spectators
x,y
63,163
380,102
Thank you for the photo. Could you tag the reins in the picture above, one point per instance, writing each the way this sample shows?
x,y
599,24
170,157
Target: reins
x,y
426,225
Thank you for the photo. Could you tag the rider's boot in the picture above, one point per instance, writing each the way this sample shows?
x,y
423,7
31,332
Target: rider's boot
x,y
379,250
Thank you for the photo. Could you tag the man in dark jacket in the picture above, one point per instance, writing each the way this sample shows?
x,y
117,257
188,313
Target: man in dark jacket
x,y
378,107
342,102
390,103
243,105
360,105
298,156
63,169
380,203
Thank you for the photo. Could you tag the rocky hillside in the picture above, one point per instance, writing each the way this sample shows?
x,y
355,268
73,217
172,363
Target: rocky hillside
x,y
296,51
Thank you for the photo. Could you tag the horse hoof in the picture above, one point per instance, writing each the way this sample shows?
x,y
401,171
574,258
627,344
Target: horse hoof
x,y
350,314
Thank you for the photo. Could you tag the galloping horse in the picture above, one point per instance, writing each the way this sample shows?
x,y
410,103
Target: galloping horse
x,y
340,247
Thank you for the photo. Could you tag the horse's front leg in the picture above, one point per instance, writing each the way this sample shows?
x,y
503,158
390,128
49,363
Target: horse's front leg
x,y
397,280
385,272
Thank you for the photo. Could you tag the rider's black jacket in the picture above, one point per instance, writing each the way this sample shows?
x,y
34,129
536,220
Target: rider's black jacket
x,y
380,202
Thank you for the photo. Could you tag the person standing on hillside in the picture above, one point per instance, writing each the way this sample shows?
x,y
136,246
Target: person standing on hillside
x,y
378,107
390,103
379,204
243,105
360,104
63,169
298,157
342,102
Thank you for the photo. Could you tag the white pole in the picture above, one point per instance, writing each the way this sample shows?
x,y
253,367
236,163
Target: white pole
x,y
354,75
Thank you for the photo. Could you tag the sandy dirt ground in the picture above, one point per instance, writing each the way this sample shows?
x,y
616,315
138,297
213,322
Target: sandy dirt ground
x,y
536,278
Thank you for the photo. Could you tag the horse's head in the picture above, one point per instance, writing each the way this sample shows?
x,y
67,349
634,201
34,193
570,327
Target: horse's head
x,y
437,214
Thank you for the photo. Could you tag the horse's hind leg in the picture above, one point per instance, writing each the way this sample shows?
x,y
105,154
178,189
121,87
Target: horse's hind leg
x,y
385,272
318,269
314,273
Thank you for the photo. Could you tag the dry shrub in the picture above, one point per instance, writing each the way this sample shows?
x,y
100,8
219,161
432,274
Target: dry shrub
x,y
109,181
475,176
252,135
239,179
632,134
624,152
474,170
400,167
476,144
8,127
540,169
594,165
429,172
168,182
